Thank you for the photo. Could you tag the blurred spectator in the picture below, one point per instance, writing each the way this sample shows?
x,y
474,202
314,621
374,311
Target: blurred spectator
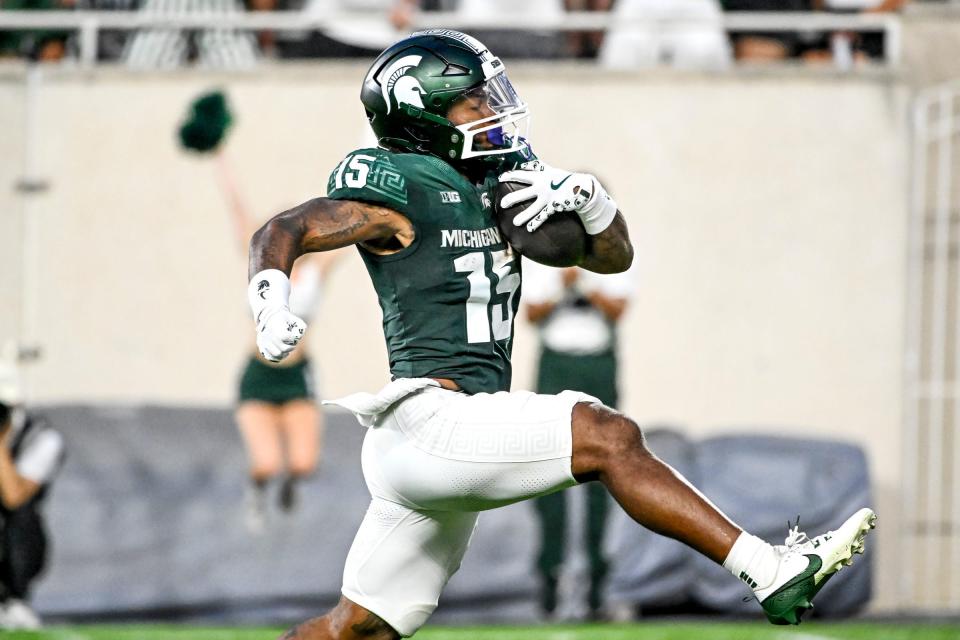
x,y
698,44
31,453
576,313
40,45
277,413
402,13
533,43
858,47
840,48
173,48
266,40
110,42
372,27
766,46
586,44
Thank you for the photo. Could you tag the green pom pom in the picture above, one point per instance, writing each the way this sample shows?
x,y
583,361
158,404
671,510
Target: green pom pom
x,y
207,123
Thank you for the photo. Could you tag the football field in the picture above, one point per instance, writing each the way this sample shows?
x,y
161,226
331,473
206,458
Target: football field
x,y
653,631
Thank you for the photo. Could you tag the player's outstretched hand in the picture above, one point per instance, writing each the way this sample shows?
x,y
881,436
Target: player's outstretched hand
x,y
278,332
550,191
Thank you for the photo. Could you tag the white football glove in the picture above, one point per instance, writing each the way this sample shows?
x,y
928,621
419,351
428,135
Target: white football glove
x,y
278,330
553,190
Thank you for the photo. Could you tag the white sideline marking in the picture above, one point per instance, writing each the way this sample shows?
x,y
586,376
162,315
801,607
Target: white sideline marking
x,y
803,636
59,634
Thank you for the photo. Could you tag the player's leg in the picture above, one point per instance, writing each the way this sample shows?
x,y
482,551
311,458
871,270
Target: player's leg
x,y
301,426
609,447
432,459
346,621
399,562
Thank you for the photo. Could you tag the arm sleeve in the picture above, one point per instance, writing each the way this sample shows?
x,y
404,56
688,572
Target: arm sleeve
x,y
369,175
40,459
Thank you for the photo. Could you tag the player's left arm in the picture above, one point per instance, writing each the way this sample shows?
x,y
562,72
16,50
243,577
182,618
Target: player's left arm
x,y
610,251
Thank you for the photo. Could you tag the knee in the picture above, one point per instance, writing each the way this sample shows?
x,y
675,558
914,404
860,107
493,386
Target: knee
x,y
623,436
602,434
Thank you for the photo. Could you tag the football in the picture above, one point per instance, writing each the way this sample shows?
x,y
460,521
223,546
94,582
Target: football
x,y
561,241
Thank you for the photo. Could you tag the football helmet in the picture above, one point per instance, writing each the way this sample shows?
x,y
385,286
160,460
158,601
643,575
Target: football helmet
x,y
411,87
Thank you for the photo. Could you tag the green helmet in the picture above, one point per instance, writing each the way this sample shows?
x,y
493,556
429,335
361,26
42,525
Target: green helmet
x,y
411,86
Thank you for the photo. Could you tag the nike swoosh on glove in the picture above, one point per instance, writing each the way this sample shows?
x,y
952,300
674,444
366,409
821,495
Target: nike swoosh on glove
x,y
554,190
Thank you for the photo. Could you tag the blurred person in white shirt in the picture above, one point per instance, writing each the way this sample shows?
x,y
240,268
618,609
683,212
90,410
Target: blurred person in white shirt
x,y
576,313
31,454
683,34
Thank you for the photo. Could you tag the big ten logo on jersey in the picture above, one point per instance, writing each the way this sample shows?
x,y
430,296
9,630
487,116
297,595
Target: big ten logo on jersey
x,y
377,174
449,197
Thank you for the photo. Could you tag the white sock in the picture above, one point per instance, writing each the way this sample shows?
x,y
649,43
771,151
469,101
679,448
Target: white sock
x,y
753,561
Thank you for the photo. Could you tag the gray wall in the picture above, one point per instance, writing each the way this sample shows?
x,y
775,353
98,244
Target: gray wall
x,y
147,521
12,124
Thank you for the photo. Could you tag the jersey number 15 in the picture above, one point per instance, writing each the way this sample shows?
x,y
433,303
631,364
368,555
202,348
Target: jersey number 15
x,y
482,317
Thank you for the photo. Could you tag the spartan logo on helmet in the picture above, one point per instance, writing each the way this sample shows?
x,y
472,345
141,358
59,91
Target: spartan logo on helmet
x,y
405,89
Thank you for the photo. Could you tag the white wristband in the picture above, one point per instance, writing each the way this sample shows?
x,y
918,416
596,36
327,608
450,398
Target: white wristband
x,y
269,288
599,212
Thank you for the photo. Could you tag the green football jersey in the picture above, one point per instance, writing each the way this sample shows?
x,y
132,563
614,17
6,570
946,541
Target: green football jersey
x,y
449,299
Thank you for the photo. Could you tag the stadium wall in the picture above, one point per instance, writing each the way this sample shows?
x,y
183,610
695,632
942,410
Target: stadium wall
x,y
12,112
768,213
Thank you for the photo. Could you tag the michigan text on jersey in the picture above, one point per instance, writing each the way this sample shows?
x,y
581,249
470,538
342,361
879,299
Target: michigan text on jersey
x,y
474,238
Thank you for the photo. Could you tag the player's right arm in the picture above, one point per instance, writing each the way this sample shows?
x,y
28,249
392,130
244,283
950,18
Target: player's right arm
x,y
321,224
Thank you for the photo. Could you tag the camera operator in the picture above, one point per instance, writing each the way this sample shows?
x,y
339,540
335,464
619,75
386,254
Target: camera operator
x,y
31,453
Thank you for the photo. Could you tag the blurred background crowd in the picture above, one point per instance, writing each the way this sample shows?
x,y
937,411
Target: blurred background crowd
x,y
689,34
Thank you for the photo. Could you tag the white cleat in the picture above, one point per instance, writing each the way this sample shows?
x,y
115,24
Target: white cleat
x,y
806,564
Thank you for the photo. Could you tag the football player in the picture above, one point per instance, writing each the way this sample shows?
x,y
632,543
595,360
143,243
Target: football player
x,y
446,438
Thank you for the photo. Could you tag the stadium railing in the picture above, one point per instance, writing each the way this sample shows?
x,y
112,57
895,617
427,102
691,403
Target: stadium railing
x,y
89,23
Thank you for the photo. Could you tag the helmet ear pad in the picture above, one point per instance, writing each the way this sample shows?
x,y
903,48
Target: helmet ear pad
x,y
427,132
